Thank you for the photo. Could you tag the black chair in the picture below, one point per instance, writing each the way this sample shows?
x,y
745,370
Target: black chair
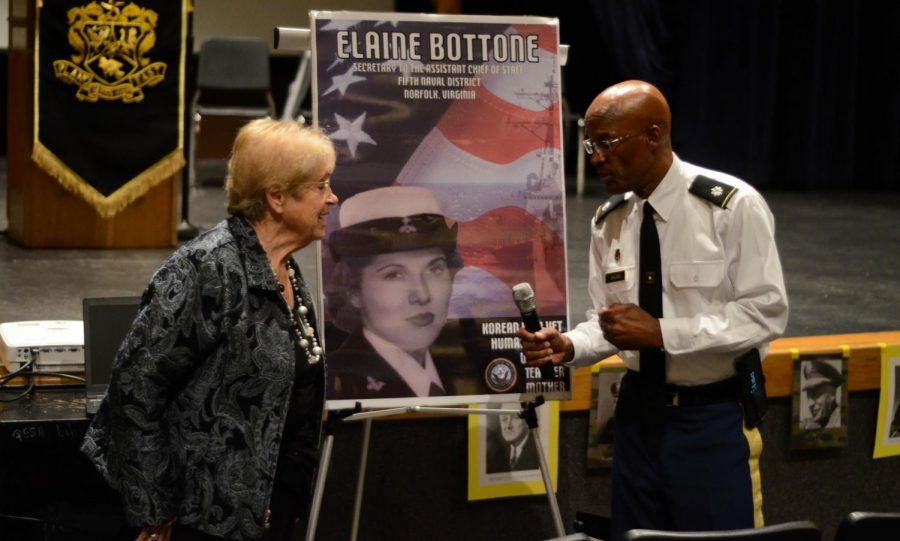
x,y
803,530
232,81
869,526
596,526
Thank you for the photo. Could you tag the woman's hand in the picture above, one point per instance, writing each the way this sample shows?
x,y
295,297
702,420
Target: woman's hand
x,y
157,533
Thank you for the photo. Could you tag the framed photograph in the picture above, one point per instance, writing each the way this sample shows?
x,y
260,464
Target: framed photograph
x,y
887,438
820,401
503,459
605,381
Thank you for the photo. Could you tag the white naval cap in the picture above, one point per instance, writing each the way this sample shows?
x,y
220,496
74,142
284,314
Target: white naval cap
x,y
389,202
392,219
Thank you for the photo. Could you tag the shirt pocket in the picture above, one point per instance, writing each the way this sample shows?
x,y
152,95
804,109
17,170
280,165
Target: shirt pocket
x,y
619,280
693,274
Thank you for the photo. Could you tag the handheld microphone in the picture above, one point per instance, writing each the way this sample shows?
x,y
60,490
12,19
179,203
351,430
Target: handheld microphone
x,y
523,295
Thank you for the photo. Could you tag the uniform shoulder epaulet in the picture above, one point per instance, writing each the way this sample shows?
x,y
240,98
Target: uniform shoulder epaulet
x,y
608,206
714,191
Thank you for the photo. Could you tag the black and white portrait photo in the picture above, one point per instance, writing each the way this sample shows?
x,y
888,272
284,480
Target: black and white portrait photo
x,y
509,444
820,402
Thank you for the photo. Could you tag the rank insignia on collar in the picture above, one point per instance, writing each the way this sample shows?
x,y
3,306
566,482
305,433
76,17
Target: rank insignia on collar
x,y
110,43
617,256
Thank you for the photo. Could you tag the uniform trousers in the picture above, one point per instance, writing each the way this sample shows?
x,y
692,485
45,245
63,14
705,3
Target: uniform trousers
x,y
704,475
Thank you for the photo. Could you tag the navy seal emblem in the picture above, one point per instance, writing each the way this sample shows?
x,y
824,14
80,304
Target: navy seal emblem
x,y
500,375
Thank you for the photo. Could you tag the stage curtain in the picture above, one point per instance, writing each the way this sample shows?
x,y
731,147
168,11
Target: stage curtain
x,y
109,96
787,94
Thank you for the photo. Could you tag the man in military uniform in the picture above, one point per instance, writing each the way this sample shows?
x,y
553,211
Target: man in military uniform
x,y
685,278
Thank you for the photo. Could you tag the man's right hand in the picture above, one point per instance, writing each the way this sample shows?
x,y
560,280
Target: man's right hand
x,y
547,345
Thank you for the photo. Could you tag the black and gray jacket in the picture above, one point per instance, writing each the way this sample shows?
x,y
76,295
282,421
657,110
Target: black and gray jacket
x,y
192,424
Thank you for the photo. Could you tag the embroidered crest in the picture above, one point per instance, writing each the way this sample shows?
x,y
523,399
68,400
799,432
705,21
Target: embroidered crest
x,y
373,384
111,42
407,226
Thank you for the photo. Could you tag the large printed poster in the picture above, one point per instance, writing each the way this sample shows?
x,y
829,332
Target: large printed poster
x,y
450,180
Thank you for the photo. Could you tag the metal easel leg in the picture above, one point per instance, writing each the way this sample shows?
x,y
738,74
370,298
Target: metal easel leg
x,y
530,416
361,478
320,488
334,417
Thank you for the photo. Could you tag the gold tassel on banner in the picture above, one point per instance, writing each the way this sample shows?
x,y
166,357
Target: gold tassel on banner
x,y
107,206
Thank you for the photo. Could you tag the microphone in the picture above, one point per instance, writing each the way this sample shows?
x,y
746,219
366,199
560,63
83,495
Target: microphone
x,y
523,295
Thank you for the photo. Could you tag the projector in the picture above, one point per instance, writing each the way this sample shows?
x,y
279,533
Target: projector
x,y
54,346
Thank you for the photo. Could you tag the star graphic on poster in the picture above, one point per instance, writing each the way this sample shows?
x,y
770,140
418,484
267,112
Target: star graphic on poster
x,y
341,82
335,62
351,131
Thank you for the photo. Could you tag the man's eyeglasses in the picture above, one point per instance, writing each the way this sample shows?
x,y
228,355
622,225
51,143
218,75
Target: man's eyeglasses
x,y
610,145
606,145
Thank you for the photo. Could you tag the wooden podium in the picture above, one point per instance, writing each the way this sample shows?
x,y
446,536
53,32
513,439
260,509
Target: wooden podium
x,y
40,212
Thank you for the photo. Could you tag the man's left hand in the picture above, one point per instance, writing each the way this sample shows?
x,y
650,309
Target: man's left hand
x,y
628,326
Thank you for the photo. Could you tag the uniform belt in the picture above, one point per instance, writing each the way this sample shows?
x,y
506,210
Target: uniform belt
x,y
717,392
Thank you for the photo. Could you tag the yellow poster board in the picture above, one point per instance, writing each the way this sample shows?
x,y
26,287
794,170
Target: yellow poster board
x,y
887,436
497,471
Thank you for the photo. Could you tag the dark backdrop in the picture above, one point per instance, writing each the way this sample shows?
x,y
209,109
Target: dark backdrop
x,y
785,94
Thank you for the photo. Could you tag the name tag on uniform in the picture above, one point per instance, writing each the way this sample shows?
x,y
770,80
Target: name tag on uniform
x,y
616,276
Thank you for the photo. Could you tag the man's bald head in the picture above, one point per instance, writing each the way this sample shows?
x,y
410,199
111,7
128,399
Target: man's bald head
x,y
629,125
636,103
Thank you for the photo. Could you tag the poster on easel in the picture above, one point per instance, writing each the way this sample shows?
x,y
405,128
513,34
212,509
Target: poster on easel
x,y
887,437
450,179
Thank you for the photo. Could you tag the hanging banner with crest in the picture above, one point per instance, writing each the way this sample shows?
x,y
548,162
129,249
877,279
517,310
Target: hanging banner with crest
x,y
109,96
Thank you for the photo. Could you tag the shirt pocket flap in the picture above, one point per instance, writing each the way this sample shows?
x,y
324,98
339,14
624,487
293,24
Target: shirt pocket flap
x,y
697,273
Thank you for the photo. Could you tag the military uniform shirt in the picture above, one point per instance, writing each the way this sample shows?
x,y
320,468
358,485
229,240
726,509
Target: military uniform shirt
x,y
723,290
419,378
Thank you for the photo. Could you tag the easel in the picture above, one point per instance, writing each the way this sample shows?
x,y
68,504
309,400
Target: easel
x,y
528,412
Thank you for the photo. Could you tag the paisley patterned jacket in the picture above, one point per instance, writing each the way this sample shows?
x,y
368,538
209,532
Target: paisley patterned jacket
x,y
192,422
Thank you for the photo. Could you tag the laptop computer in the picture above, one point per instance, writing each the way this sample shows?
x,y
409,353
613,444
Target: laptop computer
x,y
106,322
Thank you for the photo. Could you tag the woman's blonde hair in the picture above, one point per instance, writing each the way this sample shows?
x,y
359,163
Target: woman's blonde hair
x,y
270,152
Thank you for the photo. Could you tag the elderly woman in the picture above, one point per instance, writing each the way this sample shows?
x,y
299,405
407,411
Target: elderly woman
x,y
395,260
221,377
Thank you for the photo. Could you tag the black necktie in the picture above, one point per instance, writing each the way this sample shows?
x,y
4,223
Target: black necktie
x,y
653,360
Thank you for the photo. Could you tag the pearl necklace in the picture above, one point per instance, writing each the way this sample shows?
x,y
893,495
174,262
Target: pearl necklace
x,y
306,336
